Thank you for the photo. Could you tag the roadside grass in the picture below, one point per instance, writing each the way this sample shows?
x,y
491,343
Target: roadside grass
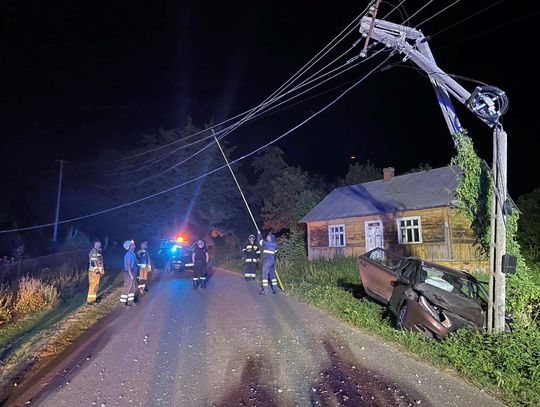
x,y
507,365
51,329
74,330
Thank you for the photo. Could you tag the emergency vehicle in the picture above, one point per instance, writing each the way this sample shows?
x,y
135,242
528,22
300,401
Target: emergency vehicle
x,y
174,254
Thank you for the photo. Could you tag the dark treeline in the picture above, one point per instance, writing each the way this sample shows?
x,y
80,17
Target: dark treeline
x,y
278,193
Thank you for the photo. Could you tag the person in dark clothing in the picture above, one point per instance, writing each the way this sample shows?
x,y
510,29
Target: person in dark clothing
x,y
251,253
269,262
200,259
143,259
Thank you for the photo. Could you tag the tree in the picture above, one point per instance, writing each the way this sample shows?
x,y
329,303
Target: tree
x,y
290,200
306,202
219,203
193,208
268,166
529,223
359,173
419,168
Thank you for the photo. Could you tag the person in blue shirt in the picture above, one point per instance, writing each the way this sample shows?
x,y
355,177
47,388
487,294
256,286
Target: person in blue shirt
x,y
130,274
269,249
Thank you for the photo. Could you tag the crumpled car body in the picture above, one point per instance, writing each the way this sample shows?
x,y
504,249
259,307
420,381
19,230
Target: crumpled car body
x,y
425,297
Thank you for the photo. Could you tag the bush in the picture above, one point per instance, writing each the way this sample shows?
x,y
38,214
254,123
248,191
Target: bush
x,y
292,248
509,361
68,279
6,304
523,298
226,246
34,295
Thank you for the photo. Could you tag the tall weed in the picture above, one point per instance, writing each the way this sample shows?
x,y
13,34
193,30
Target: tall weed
x,y
6,304
34,295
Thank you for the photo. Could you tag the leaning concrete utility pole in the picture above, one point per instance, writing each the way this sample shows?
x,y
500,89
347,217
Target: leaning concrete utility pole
x,y
486,102
57,216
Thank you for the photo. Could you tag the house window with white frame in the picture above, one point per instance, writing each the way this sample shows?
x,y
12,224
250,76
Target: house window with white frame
x,y
409,230
336,235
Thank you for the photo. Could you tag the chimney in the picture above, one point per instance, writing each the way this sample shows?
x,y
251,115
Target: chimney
x,y
388,173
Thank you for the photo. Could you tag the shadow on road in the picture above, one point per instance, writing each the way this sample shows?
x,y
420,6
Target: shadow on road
x,y
345,382
255,388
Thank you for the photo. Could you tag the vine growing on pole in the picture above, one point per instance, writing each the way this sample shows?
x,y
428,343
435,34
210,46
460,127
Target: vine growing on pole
x,y
474,190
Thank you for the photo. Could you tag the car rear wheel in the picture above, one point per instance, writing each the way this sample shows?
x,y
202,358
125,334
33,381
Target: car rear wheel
x,y
401,316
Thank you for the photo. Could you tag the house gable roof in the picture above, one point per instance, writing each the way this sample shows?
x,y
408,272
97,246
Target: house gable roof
x,y
419,190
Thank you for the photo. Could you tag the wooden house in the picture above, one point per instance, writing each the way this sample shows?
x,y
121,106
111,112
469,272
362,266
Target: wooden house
x,y
410,214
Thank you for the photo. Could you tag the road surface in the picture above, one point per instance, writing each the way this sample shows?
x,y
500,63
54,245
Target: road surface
x,y
228,346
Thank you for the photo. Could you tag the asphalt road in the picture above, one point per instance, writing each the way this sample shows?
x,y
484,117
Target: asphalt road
x,y
227,346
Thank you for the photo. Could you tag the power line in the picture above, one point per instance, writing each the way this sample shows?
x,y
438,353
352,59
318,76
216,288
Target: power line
x,y
156,175
394,9
306,82
308,65
277,91
215,169
440,12
467,18
398,9
267,101
489,30
262,105
151,162
418,11
255,115
427,74
252,111
317,57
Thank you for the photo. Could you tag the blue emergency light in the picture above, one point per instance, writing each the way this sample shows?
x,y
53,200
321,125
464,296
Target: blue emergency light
x,y
174,248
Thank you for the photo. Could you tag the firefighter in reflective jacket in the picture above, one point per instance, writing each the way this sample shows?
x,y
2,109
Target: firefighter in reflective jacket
x,y
251,253
143,259
269,249
95,271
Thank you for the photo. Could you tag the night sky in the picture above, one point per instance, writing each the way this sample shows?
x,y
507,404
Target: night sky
x,y
79,76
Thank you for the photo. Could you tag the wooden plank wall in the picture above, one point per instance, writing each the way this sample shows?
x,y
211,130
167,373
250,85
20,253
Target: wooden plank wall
x,y
446,238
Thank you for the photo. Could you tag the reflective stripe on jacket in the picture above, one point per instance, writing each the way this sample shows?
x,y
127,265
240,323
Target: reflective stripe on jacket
x,y
252,252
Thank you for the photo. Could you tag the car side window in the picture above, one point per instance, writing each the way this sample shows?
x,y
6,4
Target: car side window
x,y
384,258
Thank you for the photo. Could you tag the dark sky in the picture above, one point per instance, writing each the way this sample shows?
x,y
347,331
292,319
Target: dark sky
x,y
77,76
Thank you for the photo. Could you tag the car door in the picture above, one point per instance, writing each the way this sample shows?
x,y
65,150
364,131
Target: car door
x,y
406,278
377,279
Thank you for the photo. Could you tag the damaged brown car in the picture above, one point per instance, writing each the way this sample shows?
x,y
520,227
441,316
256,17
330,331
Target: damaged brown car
x,y
425,297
